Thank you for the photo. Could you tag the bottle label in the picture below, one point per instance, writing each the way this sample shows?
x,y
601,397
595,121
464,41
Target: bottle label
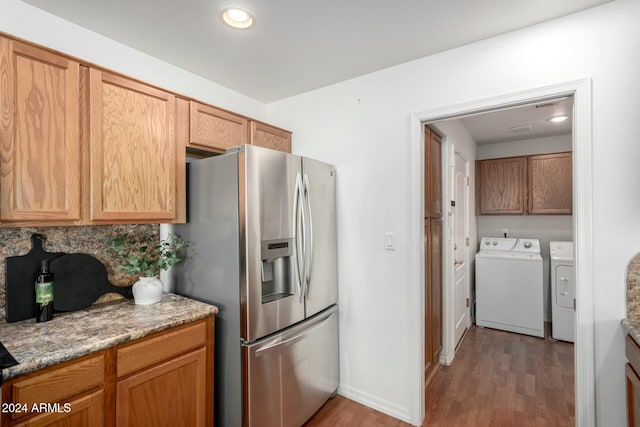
x,y
44,293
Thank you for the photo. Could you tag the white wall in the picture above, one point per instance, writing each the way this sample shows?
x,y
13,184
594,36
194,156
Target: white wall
x,y
363,127
545,228
525,147
35,25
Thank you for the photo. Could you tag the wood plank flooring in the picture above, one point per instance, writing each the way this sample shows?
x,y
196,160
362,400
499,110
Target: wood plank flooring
x,y
497,379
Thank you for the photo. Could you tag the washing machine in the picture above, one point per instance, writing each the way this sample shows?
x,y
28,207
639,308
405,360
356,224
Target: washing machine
x,y
509,285
563,291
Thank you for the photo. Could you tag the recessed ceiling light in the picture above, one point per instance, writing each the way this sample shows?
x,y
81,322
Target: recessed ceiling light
x,y
558,119
237,17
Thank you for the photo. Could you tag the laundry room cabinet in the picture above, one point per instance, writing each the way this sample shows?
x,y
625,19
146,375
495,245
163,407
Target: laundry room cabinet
x,y
525,185
501,186
550,184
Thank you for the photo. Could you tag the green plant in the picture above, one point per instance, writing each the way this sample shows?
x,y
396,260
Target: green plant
x,y
137,256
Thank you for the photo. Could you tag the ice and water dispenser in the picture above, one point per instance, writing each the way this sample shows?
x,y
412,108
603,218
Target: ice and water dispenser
x,y
277,269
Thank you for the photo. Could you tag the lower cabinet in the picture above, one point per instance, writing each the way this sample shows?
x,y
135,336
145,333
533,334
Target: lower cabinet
x,y
165,379
87,410
632,368
141,399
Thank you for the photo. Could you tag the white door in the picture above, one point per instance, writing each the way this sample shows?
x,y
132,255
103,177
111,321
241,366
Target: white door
x,y
460,252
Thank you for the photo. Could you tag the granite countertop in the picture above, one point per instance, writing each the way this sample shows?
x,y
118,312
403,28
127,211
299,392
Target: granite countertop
x,y
631,324
74,334
632,327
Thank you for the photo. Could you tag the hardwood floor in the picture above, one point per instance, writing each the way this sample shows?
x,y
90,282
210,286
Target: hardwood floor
x,y
342,412
497,379
504,379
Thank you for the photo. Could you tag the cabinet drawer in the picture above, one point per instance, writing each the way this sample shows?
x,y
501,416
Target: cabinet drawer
x,y
158,348
57,384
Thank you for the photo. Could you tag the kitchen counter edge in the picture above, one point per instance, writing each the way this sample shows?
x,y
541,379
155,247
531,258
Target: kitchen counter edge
x,y
632,327
100,326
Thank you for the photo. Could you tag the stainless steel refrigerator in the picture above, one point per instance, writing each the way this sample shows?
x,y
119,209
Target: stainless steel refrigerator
x,y
262,229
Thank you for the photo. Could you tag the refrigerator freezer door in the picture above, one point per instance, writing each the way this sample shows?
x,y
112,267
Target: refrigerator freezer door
x,y
270,288
290,376
321,268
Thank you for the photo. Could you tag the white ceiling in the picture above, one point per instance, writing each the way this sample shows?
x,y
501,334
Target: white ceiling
x,y
512,124
298,45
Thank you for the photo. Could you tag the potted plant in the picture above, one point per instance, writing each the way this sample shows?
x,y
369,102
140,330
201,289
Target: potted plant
x,y
136,255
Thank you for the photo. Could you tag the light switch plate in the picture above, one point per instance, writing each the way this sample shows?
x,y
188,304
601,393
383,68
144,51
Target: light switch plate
x,y
390,241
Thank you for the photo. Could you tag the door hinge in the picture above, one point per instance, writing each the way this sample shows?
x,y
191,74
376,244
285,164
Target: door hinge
x,y
466,240
467,302
574,304
468,181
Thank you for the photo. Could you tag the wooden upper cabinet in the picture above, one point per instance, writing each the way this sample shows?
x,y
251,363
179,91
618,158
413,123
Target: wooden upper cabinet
x,y
432,174
264,135
501,186
213,129
134,155
39,135
550,184
536,185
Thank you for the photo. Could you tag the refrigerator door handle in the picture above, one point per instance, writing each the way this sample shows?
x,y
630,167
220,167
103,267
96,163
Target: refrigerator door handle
x,y
298,215
307,193
320,323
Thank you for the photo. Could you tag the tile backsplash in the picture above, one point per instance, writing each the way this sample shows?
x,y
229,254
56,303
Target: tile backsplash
x,y
92,240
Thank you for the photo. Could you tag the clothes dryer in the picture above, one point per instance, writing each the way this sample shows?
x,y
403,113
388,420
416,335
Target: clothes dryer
x,y
563,315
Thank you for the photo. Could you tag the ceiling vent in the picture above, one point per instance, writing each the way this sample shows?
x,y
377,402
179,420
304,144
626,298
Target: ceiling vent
x,y
521,129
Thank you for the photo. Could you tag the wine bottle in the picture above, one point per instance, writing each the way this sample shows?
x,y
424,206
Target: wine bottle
x,y
44,293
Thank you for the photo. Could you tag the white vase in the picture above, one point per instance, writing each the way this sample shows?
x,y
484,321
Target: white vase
x,y
147,290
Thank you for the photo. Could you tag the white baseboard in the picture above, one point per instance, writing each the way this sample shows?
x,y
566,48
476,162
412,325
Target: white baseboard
x,y
377,403
447,359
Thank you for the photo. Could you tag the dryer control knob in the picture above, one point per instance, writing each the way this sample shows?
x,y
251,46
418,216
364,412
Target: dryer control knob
x,y
527,245
495,243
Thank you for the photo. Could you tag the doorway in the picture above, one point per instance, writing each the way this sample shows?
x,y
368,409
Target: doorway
x,y
582,162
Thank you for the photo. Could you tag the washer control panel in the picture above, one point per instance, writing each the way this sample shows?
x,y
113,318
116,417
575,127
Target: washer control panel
x,y
529,245
498,244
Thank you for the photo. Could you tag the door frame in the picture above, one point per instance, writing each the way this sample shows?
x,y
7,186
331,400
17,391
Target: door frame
x,y
584,348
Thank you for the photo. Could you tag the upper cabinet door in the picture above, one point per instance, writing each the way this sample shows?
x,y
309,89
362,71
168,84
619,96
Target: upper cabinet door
x,y
501,186
264,135
213,129
550,184
133,153
432,174
39,136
